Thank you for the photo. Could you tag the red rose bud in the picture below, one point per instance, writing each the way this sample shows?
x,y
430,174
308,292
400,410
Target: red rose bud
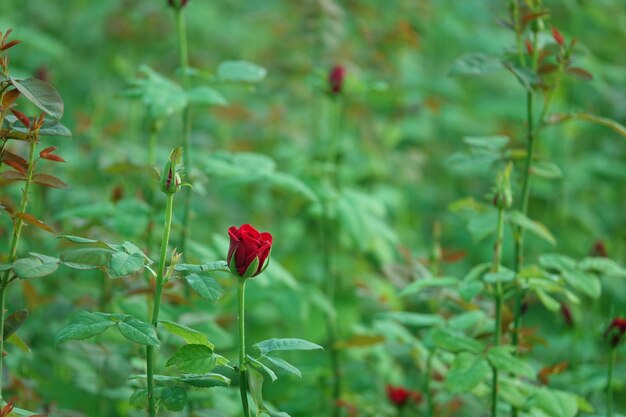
x,y
336,77
398,395
615,332
249,251
566,312
177,4
558,37
599,249
170,179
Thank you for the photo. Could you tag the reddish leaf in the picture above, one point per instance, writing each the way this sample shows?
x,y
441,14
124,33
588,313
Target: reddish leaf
x,y
6,410
526,19
579,73
47,154
21,117
30,219
9,45
13,176
12,156
547,69
15,165
548,371
9,98
558,37
48,181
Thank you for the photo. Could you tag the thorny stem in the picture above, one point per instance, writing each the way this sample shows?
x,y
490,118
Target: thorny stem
x,y
243,375
609,384
15,238
495,267
187,160
156,306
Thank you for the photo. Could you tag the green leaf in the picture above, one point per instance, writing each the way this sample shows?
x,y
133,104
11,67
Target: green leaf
x,y
221,266
555,262
123,264
519,219
547,170
84,325
255,379
283,364
193,359
208,380
240,71
205,285
77,239
16,341
34,267
161,96
14,322
454,342
556,403
501,358
468,320
261,367
476,64
274,344
41,94
548,302
471,289
466,372
174,398
206,96
493,143
603,266
504,275
87,258
414,319
421,284
188,334
583,282
138,331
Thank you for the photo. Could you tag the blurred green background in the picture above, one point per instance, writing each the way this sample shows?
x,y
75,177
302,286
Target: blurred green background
x,y
402,159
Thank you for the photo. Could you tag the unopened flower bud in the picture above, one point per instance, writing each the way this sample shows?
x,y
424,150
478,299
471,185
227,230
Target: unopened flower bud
x,y
336,78
170,179
614,334
503,196
560,40
177,4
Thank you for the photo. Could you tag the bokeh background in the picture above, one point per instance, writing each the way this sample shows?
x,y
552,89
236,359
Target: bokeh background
x,y
403,165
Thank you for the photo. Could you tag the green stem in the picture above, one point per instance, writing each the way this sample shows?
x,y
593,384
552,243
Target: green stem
x,y
156,306
515,18
15,238
430,405
519,232
329,246
243,377
155,126
186,120
609,384
495,267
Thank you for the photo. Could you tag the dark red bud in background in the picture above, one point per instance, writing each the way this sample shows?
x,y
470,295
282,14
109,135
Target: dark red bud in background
x,y
566,312
615,332
177,3
558,37
599,249
336,78
398,395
